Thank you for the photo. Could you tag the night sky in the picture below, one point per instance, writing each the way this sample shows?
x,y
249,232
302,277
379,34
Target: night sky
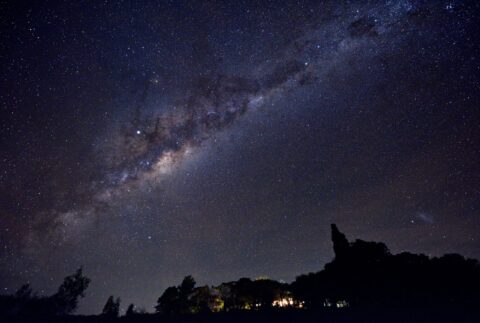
x,y
149,140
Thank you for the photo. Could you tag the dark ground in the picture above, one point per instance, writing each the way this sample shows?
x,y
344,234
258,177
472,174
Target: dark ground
x,y
284,316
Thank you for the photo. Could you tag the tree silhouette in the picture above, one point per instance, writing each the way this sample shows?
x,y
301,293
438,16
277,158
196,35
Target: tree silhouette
x,y
130,310
265,291
366,275
72,288
176,300
187,286
243,294
205,299
112,307
169,301
24,292
184,291
363,275
340,243
227,295
24,303
201,300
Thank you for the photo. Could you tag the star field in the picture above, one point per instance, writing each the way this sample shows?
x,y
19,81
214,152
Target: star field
x,y
150,140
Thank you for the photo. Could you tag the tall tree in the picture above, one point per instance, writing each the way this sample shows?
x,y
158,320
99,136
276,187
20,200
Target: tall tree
x,y
184,291
340,243
72,288
130,310
187,286
112,307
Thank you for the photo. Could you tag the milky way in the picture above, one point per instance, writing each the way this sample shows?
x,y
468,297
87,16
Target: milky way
x,y
149,147
221,140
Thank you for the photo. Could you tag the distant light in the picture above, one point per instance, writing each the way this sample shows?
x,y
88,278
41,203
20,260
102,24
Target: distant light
x,y
283,302
138,132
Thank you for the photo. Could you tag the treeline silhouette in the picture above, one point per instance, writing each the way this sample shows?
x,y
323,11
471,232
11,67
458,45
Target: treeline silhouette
x,y
364,282
26,304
